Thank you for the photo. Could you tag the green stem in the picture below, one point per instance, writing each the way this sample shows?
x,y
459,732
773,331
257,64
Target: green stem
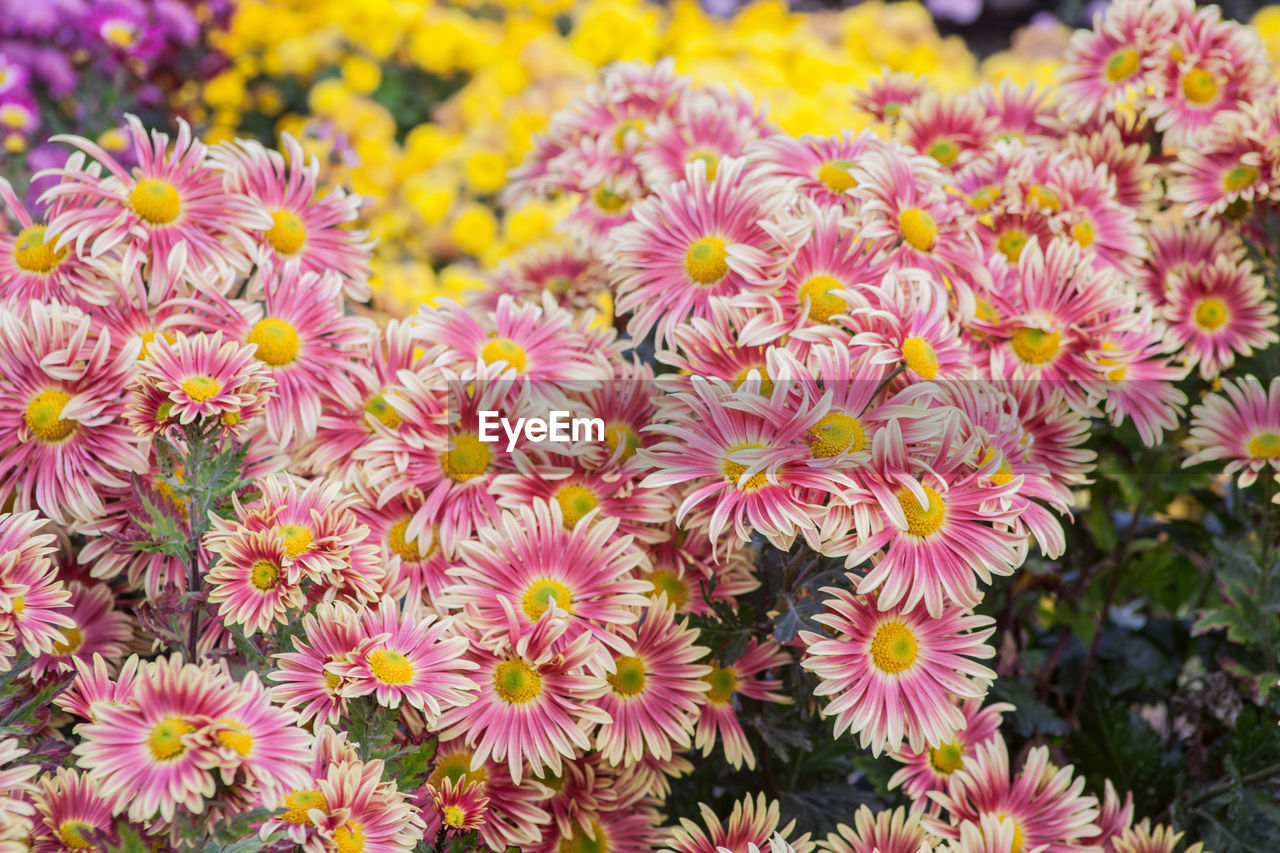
x,y
1224,787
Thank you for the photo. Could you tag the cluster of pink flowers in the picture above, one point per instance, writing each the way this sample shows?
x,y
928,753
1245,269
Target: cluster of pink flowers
x,y
884,349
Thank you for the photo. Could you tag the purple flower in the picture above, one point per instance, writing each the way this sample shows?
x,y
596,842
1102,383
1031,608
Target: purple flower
x,y
960,11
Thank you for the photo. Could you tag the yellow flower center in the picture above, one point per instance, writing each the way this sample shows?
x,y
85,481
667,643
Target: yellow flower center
x,y
733,471
918,228
1122,64
1239,178
707,260
19,605
836,433
407,549
165,739
711,161
264,575
893,648
200,388
332,681
922,521
946,759
1210,313
287,233
575,502
297,539
921,357
73,832
627,435
723,681
823,301
349,838
987,312
516,682
1082,233
453,816
631,125
1011,244
608,200
277,341
236,737
299,803
630,677
43,416
72,640
1199,86
1035,346
1004,471
766,384
1043,197
390,667
669,582
944,151
380,409
579,842
455,767
156,201
468,458
835,175
505,349
1264,445
120,34
983,198
538,597
33,254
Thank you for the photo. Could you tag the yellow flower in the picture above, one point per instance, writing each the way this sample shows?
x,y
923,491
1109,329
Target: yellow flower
x,y
474,229
361,75
486,171
431,198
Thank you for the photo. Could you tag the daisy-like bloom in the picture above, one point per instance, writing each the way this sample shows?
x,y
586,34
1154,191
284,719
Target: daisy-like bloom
x,y
1093,217
913,327
755,469
71,812
351,808
696,239
718,715
94,687
528,562
460,808
35,607
63,439
929,769
330,634
990,834
1115,817
702,127
1141,381
816,166
199,377
537,701
1218,311
1128,161
412,565
1241,425
33,267
887,94
98,628
1180,248
886,831
1142,837
262,753
306,225
654,691
752,821
251,583
404,657
516,813
15,790
1118,57
172,196
573,276
1047,807
635,827
301,335
1231,166
893,672
143,754
950,128
1019,112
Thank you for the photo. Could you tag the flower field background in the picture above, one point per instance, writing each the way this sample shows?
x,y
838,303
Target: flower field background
x,y
933,503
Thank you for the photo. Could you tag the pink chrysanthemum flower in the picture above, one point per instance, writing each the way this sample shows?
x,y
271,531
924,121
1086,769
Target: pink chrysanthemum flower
x,y
301,335
516,814
528,563
1128,162
306,225
746,676
893,671
696,239
200,377
1240,425
35,607
15,790
98,628
887,831
1094,219
351,808
1119,57
63,439
887,94
654,690
991,833
1020,112
911,325
261,752
1047,807
251,583
536,703
403,657
33,267
724,345
413,565
950,128
330,634
1182,247
1232,166
817,167
459,808
173,196
72,812
702,128
573,276
1116,816
929,769
93,687
752,821
1140,382
1142,837
1218,311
